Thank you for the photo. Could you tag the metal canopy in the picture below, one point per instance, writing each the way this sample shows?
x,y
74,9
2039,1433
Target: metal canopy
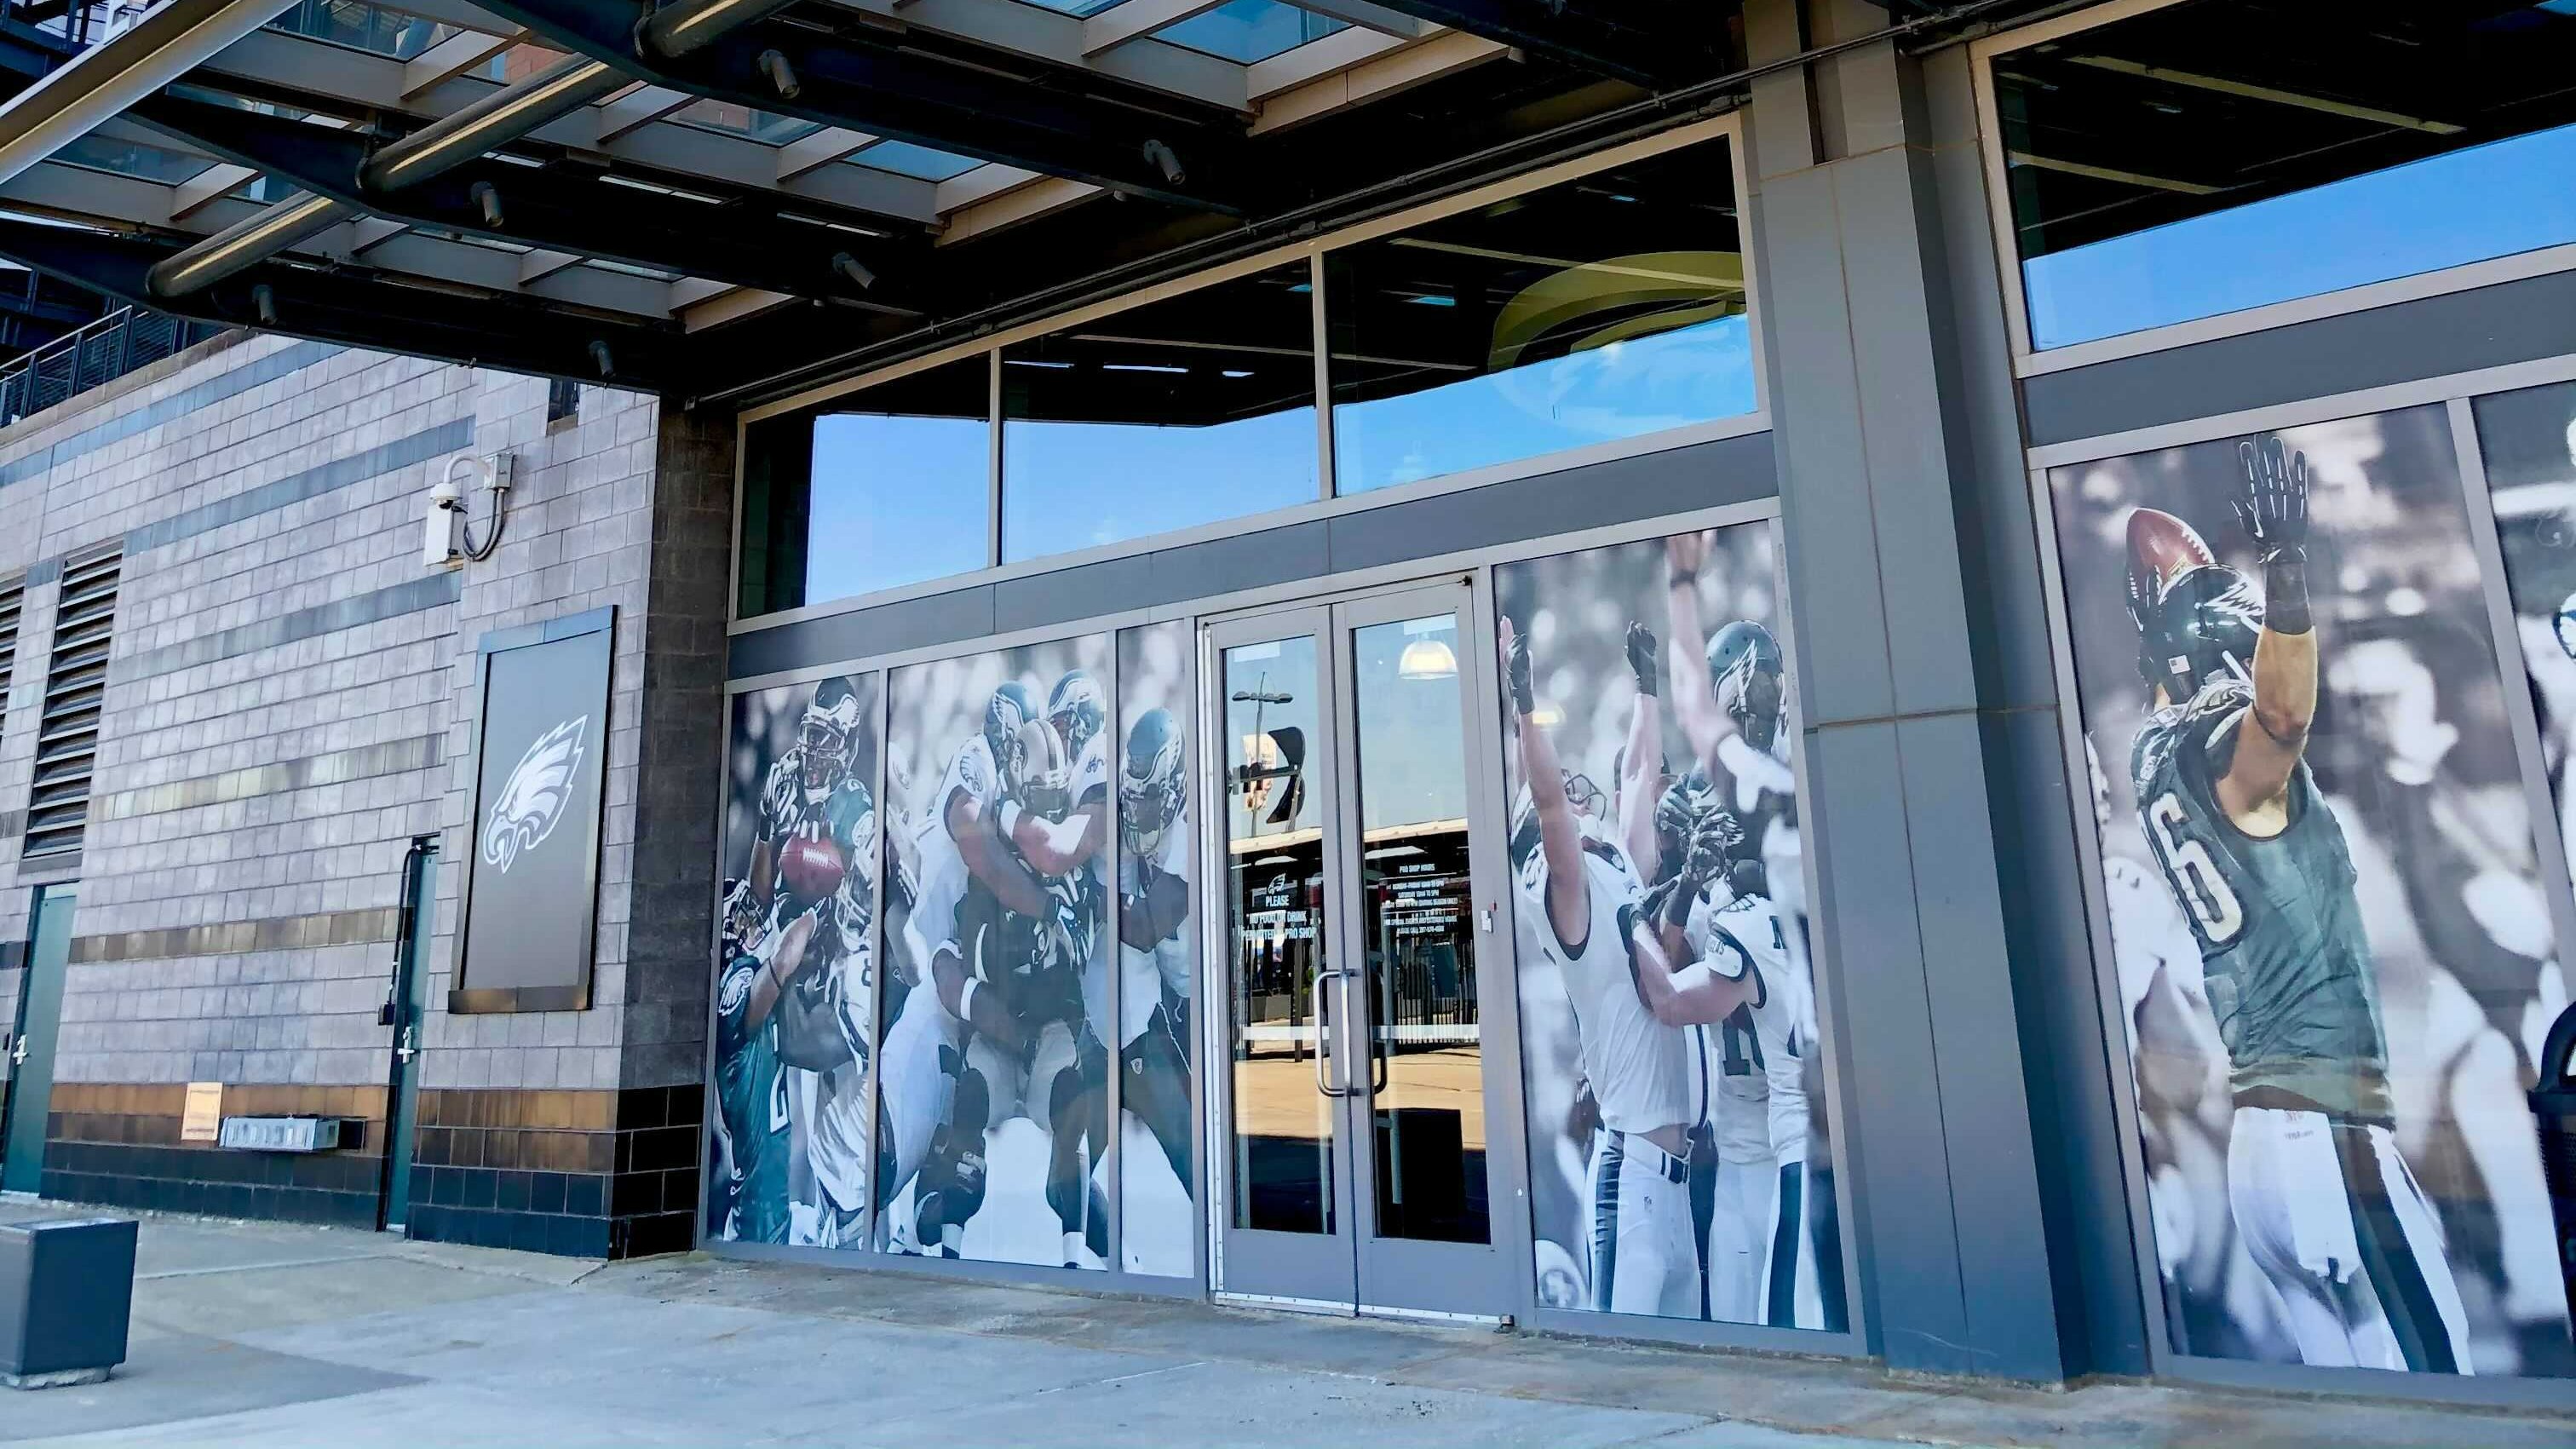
x,y
785,189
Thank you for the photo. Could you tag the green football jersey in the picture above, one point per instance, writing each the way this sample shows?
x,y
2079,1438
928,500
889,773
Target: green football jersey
x,y
2289,969
752,1093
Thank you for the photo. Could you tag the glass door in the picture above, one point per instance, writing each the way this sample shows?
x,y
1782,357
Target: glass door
x,y
1356,940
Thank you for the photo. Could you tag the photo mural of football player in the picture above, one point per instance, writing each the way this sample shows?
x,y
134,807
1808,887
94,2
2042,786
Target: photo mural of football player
x,y
789,1148
1157,950
2323,896
995,1059
2528,441
1680,1162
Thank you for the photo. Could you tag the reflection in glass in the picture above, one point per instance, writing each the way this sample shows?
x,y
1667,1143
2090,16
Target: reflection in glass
x,y
767,127
2529,442
1179,413
1250,30
906,159
1426,1051
887,487
1605,308
1282,1171
2211,157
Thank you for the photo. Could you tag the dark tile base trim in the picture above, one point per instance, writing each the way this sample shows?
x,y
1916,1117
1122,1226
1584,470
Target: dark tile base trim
x,y
577,1174
335,1188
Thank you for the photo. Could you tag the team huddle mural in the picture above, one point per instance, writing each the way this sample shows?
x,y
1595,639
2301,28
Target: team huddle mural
x,y
957,1102
1680,1161
2331,933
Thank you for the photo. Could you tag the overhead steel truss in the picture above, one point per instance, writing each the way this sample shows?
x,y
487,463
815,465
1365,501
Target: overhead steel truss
x,y
585,222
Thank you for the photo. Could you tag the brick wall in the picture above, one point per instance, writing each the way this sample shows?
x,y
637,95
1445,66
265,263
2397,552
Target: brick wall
x,y
291,700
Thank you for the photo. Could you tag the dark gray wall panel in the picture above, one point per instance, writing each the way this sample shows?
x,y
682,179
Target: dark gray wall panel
x,y
2431,337
1966,958
1681,480
1893,1130
1902,429
2072,1050
1245,561
910,624
2069,1070
1832,545
1705,475
1039,599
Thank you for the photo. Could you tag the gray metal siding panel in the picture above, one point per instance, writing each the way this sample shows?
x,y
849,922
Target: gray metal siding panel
x,y
1832,543
1897,1140
2430,337
908,624
1903,430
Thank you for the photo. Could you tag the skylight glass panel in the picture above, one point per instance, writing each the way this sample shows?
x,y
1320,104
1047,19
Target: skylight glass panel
x,y
1250,30
767,127
906,159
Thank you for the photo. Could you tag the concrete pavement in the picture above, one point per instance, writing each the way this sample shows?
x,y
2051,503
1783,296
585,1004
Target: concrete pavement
x,y
269,1334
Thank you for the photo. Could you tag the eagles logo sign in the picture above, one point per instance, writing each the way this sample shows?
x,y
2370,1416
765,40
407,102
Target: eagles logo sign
x,y
533,799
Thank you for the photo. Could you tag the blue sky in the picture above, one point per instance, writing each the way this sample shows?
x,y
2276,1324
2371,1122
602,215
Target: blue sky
x,y
899,500
2463,206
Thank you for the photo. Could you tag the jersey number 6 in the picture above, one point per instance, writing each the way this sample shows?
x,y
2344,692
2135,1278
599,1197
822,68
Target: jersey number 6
x,y
2194,875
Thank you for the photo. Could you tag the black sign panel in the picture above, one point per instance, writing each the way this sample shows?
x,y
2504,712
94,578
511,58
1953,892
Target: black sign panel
x,y
532,880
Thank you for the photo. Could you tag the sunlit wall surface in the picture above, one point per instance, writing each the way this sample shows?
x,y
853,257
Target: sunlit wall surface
x,y
2222,155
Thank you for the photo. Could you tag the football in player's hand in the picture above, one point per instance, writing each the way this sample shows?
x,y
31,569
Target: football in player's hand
x,y
811,866
2161,547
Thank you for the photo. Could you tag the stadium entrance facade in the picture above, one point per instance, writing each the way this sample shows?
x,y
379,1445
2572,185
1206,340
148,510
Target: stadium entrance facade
x,y
1879,680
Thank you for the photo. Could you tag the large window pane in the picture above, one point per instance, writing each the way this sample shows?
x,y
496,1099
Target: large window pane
x,y
1604,308
789,1156
887,487
995,1012
1183,412
2331,942
1668,1012
2227,154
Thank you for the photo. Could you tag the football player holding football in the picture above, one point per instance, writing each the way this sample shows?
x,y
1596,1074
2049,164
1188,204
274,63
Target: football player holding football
x,y
751,1083
2255,856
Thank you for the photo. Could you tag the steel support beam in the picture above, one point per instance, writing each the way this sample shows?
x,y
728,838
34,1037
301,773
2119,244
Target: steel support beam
x,y
1039,121
355,307
557,91
566,208
1656,44
168,41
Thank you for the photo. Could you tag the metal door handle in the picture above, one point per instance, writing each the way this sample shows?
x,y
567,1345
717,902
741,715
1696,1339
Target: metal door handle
x,y
1323,1039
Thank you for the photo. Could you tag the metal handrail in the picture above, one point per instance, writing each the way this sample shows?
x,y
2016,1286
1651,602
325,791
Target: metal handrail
x,y
96,354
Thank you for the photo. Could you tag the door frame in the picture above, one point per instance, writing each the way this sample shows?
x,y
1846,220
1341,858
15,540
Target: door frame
x,y
1329,615
1270,588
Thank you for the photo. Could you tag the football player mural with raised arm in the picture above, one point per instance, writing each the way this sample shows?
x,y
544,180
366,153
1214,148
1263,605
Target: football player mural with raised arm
x,y
2294,661
1677,1144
